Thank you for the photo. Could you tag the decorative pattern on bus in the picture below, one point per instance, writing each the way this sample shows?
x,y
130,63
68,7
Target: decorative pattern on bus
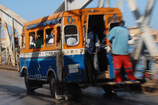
x,y
114,18
55,21
70,20
52,53
73,51
39,54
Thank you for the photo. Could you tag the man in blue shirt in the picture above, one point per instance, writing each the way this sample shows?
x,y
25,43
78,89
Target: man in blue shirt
x,y
119,37
92,48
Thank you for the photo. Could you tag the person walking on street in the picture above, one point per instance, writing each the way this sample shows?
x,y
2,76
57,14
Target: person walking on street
x,y
119,37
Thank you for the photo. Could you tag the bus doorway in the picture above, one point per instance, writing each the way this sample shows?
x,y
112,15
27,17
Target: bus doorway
x,y
97,23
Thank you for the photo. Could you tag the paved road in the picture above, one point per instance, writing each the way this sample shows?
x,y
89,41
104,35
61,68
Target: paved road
x,y
13,92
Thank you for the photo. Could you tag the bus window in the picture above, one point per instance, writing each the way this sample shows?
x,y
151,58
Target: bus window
x,y
31,40
71,35
50,35
58,35
23,42
39,42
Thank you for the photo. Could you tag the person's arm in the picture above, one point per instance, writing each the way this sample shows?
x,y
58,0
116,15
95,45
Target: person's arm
x,y
97,42
111,34
129,37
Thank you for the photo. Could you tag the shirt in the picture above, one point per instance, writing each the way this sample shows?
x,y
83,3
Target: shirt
x,y
39,43
71,41
92,43
119,37
50,39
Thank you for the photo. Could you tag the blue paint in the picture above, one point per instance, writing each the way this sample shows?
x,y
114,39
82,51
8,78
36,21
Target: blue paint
x,y
111,66
33,64
55,21
75,59
70,20
39,66
39,59
114,17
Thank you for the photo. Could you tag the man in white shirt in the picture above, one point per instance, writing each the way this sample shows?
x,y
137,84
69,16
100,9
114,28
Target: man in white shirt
x,y
71,41
50,39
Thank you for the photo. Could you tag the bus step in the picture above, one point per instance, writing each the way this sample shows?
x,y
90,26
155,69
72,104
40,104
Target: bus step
x,y
114,83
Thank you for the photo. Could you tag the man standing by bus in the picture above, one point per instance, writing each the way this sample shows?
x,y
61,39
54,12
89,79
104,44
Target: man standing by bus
x,y
92,48
119,37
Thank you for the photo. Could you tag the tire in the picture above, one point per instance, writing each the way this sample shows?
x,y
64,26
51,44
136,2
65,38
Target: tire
x,y
53,86
77,92
29,84
109,93
107,89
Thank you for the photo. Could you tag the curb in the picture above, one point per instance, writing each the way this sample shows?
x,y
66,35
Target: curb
x,y
9,67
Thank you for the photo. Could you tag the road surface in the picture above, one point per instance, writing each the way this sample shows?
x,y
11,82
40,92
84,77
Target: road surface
x,y
13,92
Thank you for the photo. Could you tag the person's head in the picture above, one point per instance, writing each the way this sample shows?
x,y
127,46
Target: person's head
x,y
90,28
121,23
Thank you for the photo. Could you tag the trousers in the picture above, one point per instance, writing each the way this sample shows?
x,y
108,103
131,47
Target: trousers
x,y
119,61
92,66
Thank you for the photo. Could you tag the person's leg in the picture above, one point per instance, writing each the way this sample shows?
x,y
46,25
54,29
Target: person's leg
x,y
128,67
89,64
96,65
87,67
93,68
117,67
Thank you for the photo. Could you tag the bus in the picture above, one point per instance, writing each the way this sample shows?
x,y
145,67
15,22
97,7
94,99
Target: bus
x,y
53,50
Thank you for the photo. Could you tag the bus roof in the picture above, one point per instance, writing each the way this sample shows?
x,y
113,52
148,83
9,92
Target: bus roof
x,y
59,15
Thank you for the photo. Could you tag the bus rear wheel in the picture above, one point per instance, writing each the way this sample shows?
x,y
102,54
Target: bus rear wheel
x,y
53,87
29,84
109,93
107,89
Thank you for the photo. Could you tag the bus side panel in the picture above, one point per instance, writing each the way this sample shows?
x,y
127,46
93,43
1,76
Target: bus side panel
x,y
75,68
38,66
32,67
22,64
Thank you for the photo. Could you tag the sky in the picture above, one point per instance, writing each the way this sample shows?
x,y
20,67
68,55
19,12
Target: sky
x,y
34,9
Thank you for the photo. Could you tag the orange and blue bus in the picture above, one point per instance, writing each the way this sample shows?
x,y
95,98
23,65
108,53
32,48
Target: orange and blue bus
x,y
53,49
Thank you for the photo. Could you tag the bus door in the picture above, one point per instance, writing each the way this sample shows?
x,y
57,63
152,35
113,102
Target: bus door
x,y
73,50
97,24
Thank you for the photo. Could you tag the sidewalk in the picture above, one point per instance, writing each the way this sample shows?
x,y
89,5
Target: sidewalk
x,y
9,67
